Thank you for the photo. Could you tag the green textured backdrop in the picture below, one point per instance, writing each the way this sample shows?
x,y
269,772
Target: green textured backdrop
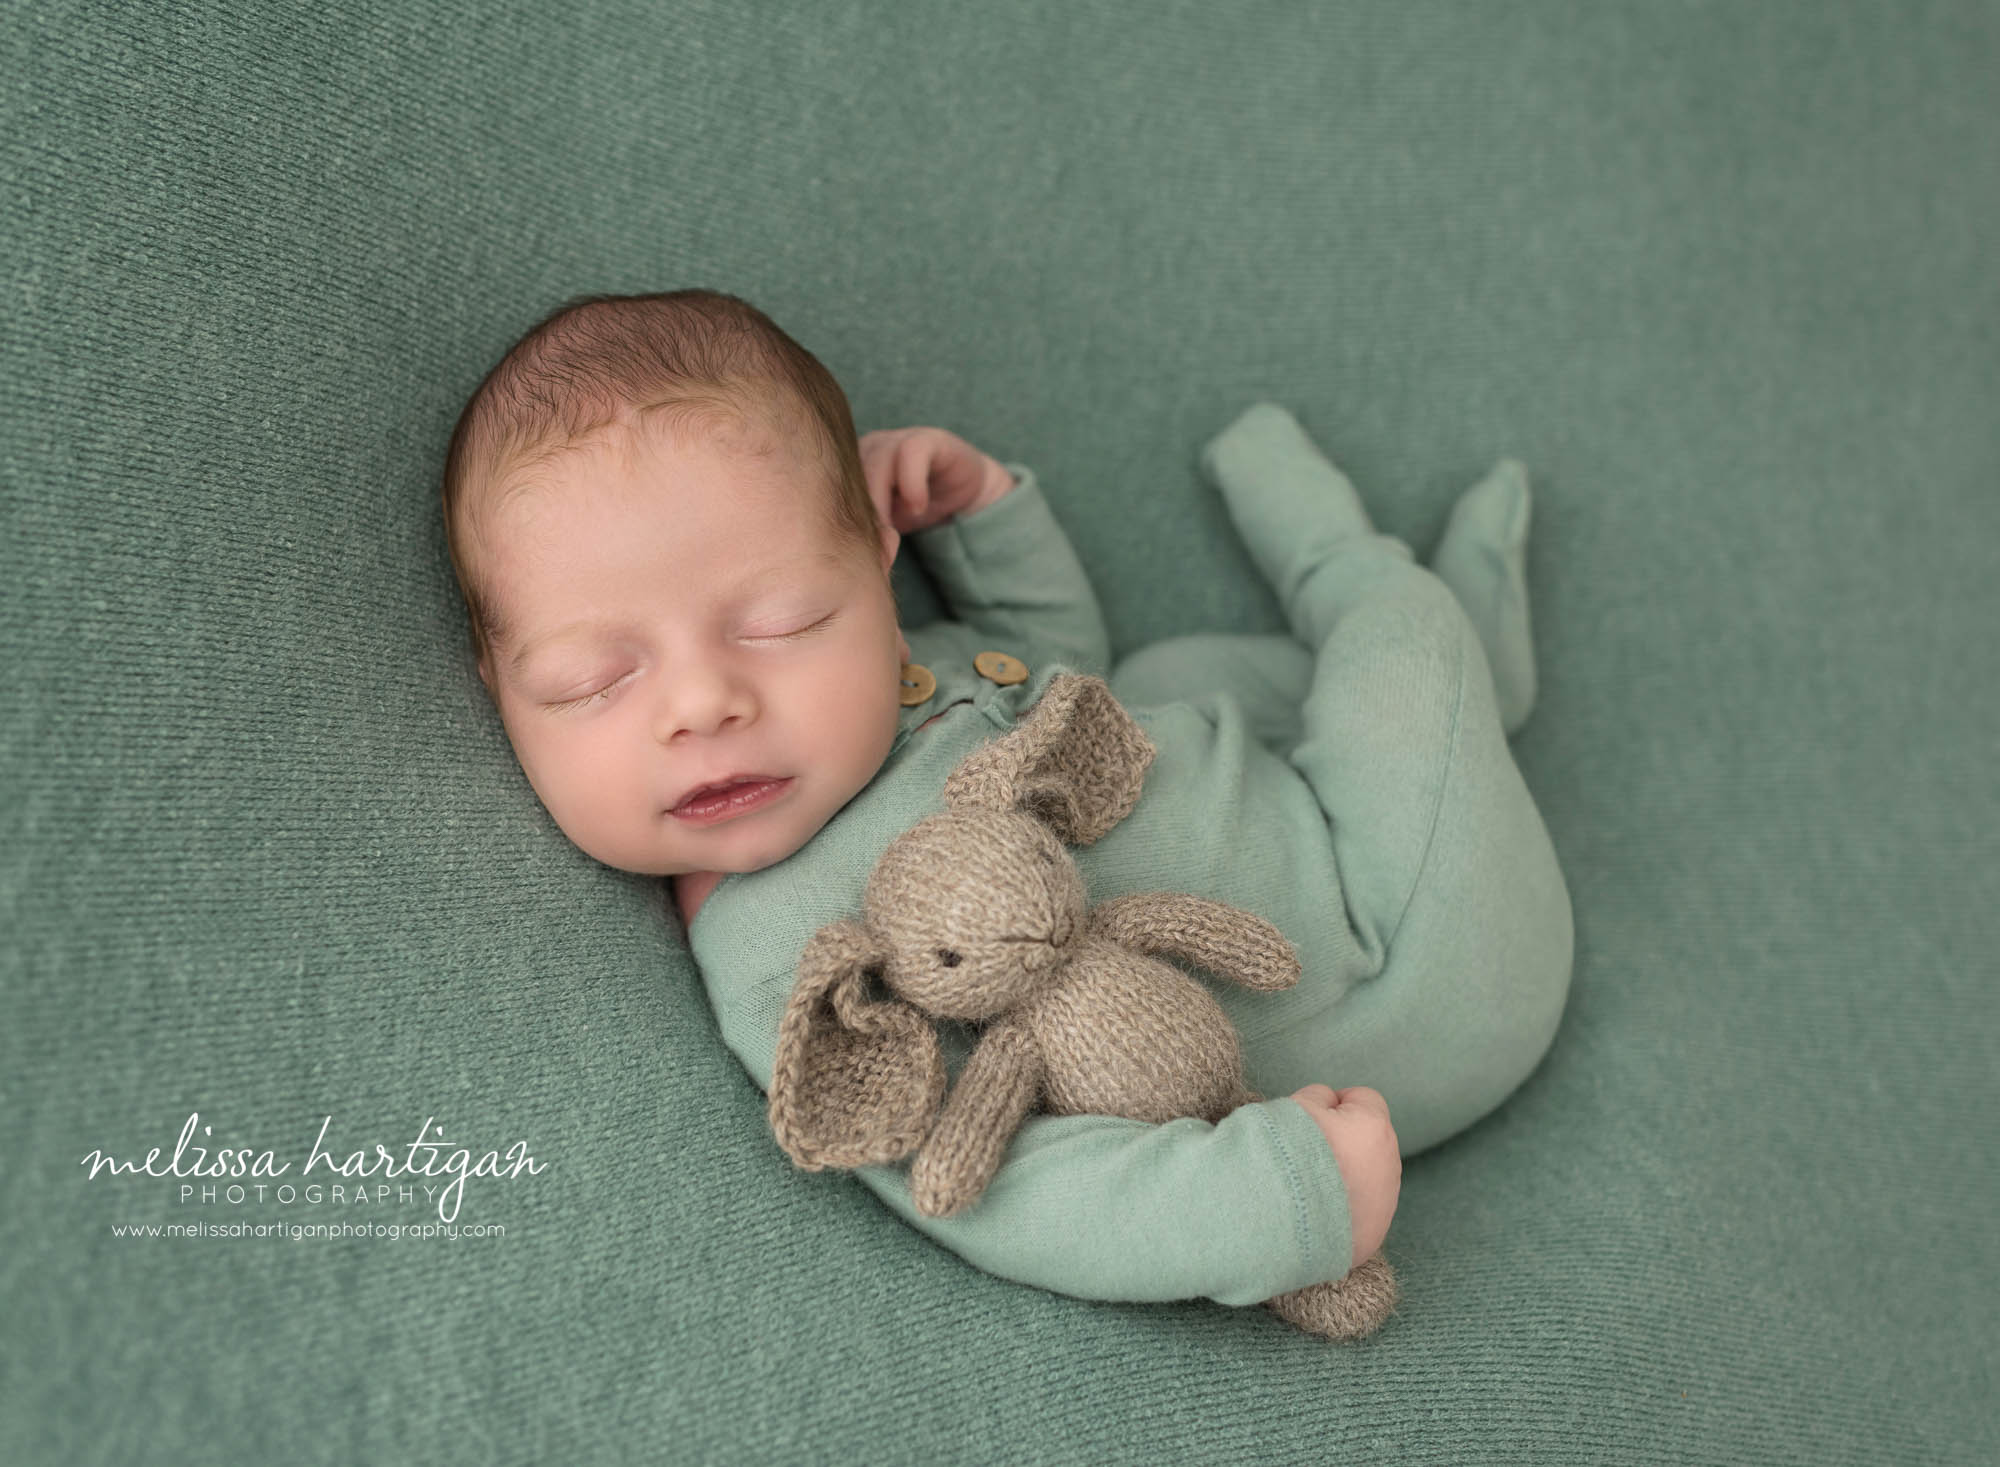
x,y
1721,275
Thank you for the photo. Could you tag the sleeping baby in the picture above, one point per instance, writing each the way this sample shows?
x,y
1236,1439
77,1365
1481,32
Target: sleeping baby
x,y
675,556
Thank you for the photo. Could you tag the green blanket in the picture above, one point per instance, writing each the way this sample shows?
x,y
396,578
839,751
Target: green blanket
x,y
275,895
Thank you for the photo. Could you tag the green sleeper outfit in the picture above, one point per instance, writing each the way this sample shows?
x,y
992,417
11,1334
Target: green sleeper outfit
x,y
1351,783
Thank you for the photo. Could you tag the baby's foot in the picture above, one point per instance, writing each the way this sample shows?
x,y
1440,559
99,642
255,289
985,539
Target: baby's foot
x,y
1289,503
1482,556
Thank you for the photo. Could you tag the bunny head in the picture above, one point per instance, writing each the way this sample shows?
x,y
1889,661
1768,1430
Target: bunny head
x,y
965,915
973,910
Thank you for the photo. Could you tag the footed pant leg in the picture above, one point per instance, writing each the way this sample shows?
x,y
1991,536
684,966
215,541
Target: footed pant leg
x,y
1381,711
1449,879
1480,556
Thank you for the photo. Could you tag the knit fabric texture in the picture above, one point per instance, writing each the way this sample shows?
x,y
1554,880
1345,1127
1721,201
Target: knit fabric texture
x,y
1722,275
979,914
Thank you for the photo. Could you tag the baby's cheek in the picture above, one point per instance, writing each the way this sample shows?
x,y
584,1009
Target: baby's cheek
x,y
601,792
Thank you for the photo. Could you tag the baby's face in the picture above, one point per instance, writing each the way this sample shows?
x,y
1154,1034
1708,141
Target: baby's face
x,y
678,615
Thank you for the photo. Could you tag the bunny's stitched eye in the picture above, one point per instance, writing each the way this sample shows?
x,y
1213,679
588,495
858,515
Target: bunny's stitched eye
x,y
947,957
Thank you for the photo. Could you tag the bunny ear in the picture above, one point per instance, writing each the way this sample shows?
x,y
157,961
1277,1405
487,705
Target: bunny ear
x,y
1076,761
856,1079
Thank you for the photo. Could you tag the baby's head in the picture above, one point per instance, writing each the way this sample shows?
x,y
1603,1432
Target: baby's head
x,y
674,574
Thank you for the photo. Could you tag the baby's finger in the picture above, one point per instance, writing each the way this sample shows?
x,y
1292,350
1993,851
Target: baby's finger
x,y
877,460
913,472
878,466
1361,1097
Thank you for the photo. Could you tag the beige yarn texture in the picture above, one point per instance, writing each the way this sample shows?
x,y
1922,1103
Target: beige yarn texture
x,y
980,914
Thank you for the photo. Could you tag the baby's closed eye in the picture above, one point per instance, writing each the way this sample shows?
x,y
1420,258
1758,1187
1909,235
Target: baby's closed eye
x,y
802,631
603,692
608,688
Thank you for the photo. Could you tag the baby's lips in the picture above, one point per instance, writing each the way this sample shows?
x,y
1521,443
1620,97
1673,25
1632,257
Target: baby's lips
x,y
708,790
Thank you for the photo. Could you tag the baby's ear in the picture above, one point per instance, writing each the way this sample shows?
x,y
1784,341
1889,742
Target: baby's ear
x,y
891,538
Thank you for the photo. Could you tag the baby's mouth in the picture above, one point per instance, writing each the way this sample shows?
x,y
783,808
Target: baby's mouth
x,y
728,784
732,797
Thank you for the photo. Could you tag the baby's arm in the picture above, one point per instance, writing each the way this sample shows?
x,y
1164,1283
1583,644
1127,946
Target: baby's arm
x,y
1101,1207
1008,570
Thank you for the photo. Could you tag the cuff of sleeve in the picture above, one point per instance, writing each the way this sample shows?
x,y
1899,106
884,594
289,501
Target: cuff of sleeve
x,y
1012,527
1325,1224
1022,475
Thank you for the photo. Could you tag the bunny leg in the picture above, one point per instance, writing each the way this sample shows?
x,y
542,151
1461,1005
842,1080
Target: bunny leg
x,y
1349,1308
1243,1096
995,1090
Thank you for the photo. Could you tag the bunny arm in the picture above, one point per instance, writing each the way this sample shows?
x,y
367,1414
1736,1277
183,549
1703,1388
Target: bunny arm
x,y
1227,941
998,1086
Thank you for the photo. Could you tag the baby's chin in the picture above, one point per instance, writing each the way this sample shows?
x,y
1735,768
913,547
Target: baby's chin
x,y
696,859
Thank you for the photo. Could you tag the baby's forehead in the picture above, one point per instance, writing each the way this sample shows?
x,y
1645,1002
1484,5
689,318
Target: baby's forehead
x,y
643,446
530,508
520,509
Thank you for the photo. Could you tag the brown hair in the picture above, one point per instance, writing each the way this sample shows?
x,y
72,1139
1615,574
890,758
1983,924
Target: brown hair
x,y
689,357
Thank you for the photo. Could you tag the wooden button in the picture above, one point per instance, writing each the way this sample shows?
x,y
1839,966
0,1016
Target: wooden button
x,y
1000,668
919,682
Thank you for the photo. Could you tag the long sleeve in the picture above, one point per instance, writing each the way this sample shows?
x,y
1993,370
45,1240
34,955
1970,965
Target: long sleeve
x,y
1100,1207
1104,1208
1009,572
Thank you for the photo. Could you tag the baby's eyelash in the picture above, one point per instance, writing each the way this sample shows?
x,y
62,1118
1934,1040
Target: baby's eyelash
x,y
802,631
605,691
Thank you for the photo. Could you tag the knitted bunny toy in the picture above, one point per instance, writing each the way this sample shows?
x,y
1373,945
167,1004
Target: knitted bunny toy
x,y
979,914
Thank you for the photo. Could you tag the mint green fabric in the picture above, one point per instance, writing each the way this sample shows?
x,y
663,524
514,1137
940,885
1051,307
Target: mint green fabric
x,y
1721,278
1395,845
1097,1207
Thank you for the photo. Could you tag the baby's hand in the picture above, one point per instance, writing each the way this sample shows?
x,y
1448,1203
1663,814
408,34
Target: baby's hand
x,y
919,477
1355,1122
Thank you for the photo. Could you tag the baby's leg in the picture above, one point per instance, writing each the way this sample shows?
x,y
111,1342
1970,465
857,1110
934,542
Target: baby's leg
x,y
1430,821
1380,714
1267,675
1481,556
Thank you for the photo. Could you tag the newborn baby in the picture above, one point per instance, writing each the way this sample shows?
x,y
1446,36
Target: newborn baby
x,y
675,555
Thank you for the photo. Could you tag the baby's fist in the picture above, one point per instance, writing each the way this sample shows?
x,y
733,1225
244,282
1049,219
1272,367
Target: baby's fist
x,y
919,477
1355,1122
